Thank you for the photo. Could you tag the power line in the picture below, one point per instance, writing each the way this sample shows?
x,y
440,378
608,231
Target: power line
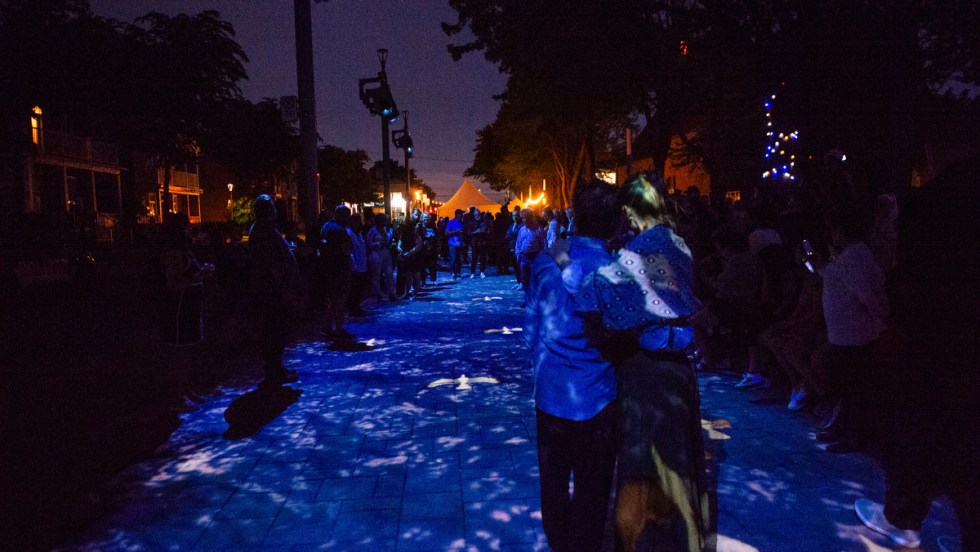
x,y
442,159
467,161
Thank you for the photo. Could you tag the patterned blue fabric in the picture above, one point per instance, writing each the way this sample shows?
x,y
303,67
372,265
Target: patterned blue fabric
x,y
650,281
571,379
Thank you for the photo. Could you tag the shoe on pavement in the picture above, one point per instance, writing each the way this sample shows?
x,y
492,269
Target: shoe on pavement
x,y
482,275
472,275
797,398
516,287
949,543
831,419
872,514
750,380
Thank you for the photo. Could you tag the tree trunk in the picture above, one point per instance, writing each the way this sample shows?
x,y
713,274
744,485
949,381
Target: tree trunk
x,y
660,137
569,186
166,202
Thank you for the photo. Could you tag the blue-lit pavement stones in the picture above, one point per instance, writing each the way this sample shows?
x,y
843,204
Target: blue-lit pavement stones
x,y
362,455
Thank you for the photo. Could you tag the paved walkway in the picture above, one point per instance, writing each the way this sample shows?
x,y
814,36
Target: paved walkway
x,y
362,455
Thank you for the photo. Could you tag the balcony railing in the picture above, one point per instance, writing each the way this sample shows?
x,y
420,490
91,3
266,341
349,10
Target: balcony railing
x,y
79,148
180,179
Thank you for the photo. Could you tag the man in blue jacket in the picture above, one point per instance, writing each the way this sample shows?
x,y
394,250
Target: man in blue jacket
x,y
574,386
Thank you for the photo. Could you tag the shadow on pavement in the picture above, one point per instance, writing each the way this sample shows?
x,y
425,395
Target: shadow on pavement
x,y
249,413
350,346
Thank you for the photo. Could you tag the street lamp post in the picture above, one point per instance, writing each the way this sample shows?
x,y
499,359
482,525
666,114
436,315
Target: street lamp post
x,y
231,195
379,101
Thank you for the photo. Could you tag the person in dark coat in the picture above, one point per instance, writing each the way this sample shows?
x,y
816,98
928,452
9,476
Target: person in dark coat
x,y
931,398
276,289
335,258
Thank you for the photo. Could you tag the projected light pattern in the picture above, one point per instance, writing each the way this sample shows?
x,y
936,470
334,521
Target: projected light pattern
x,y
362,455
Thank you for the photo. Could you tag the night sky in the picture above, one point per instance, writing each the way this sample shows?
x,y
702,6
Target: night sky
x,y
447,101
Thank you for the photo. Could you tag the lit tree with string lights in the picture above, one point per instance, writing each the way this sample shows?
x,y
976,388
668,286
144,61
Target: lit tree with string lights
x,y
780,155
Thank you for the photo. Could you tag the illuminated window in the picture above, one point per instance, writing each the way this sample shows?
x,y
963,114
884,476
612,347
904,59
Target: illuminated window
x,y
36,125
151,205
683,47
735,195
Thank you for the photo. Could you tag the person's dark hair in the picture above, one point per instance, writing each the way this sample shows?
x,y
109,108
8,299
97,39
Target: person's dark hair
x,y
597,210
265,208
853,223
726,237
646,195
175,230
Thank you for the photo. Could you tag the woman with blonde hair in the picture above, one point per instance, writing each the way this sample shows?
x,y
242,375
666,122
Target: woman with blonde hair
x,y
649,291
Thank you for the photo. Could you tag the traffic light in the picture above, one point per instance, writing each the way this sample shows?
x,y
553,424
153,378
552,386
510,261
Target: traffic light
x,y
378,99
403,140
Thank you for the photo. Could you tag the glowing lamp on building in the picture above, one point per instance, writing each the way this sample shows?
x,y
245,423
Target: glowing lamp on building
x,y
398,202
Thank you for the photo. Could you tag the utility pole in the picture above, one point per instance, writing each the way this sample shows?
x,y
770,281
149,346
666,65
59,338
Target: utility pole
x,y
379,101
309,195
386,165
403,139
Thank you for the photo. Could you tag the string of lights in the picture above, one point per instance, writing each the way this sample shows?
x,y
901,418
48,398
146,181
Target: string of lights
x,y
780,156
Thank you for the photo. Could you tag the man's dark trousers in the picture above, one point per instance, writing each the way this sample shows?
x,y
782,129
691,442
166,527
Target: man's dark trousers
x,y
586,451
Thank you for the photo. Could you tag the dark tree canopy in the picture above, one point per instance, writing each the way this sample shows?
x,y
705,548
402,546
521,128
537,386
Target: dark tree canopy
x,y
156,85
190,69
344,177
699,70
252,141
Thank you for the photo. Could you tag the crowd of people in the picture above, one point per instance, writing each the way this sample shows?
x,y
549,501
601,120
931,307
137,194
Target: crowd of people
x,y
847,306
350,265
861,316
818,293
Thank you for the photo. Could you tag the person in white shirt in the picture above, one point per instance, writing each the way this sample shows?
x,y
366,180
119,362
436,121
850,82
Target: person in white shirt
x,y
855,310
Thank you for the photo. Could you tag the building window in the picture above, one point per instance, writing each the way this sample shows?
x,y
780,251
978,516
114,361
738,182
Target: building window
x,y
36,124
151,205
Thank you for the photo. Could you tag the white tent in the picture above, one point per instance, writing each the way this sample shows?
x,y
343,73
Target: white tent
x,y
467,195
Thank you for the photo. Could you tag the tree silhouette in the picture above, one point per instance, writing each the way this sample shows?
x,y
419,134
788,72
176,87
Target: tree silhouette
x,y
698,70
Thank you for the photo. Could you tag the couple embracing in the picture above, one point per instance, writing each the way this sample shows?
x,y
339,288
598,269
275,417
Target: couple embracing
x,y
614,391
